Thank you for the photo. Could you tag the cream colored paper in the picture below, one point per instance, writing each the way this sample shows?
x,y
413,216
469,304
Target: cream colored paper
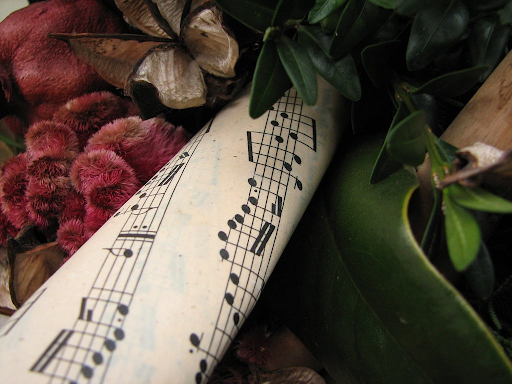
x,y
160,291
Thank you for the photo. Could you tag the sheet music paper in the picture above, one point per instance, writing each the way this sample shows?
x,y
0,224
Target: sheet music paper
x,y
160,291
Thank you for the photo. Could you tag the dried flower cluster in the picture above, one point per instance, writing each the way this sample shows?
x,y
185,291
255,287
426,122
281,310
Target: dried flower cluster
x,y
81,166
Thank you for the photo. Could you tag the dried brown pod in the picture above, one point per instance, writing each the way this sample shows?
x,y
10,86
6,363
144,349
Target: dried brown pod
x,y
177,79
31,263
112,56
478,162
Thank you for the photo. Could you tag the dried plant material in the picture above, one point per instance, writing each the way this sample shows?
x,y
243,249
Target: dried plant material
x,y
477,161
210,42
6,304
30,264
112,56
294,375
137,13
175,76
172,11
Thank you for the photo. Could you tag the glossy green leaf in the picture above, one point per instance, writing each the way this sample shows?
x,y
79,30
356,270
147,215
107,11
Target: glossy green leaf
x,y
385,164
447,151
342,74
405,141
453,84
479,199
484,5
354,286
375,58
505,14
487,43
299,68
270,80
291,9
480,274
323,9
462,233
256,14
411,7
388,4
433,31
359,19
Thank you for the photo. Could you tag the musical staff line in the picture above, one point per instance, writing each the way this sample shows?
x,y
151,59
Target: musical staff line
x,y
84,351
248,242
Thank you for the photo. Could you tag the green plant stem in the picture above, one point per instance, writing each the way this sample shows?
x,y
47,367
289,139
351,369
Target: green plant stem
x,y
439,167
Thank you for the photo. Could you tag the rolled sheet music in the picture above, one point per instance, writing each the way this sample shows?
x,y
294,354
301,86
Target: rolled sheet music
x,y
160,291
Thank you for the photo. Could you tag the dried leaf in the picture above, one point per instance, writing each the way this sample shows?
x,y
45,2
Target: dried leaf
x,y
112,56
137,13
175,76
6,305
211,44
30,264
479,160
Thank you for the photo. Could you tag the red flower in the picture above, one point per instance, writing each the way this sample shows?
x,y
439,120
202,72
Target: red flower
x,y
6,229
100,169
45,199
71,235
253,346
86,114
13,184
132,138
51,139
106,181
73,206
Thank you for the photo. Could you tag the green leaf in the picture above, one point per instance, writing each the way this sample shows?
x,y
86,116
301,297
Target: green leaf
x,y
454,83
342,74
487,43
480,5
411,7
270,80
463,235
356,289
256,14
385,164
375,58
478,199
299,68
388,4
405,141
323,9
433,31
359,19
505,14
290,10
447,151
480,274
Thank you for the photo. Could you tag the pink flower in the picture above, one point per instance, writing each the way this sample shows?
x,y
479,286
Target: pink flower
x,y
13,184
86,114
51,139
71,235
73,207
45,199
106,181
6,229
102,169
146,145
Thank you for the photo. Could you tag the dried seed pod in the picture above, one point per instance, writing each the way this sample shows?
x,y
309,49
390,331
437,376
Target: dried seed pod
x,y
210,42
177,79
172,11
30,263
112,56
138,14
